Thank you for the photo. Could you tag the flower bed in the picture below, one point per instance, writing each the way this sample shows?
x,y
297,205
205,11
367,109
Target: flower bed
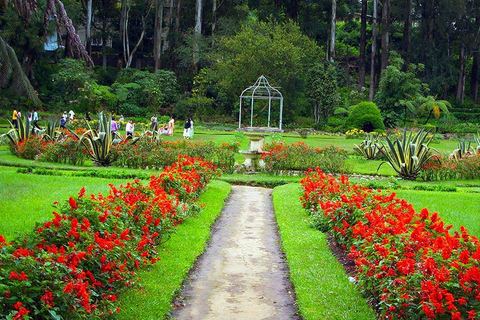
x,y
408,264
149,153
467,167
279,156
75,265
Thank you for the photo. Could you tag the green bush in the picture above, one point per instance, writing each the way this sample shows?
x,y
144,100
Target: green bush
x,y
365,116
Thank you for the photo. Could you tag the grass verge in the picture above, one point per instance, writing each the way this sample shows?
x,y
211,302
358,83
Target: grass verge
x,y
456,208
322,288
159,285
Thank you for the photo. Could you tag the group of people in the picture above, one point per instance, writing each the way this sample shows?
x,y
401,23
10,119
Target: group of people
x,y
167,129
32,117
67,117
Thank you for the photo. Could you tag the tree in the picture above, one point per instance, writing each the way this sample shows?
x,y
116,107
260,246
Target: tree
x,y
322,90
374,51
12,76
397,87
363,45
277,50
385,32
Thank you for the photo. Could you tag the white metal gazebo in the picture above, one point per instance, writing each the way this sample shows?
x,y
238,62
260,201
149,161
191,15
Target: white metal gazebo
x,y
261,90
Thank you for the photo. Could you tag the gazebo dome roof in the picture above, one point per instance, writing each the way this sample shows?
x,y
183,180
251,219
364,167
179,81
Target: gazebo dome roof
x,y
261,90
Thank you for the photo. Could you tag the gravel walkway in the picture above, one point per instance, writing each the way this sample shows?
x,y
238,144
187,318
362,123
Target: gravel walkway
x,y
242,274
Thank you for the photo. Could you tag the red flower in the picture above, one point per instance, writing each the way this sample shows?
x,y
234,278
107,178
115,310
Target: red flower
x,y
73,203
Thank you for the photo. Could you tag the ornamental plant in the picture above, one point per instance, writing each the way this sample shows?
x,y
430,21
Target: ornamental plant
x,y
75,265
369,148
409,154
408,264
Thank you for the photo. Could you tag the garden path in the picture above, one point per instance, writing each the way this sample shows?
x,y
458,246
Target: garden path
x,y
243,273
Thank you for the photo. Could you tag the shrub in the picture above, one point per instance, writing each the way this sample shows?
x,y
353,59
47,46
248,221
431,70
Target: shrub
x,y
365,116
29,148
279,156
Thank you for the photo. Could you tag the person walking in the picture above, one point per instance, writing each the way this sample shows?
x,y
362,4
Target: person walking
x,y
191,128
35,119
14,118
186,129
171,126
113,127
129,129
154,121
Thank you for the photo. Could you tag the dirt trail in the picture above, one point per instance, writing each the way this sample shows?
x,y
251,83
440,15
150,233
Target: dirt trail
x,y
242,274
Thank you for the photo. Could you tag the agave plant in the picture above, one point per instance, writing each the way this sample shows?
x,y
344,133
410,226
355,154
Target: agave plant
x,y
19,133
408,155
369,148
52,131
477,141
464,150
99,142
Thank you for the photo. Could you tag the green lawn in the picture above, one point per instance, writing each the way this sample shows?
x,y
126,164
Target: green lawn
x,y
322,288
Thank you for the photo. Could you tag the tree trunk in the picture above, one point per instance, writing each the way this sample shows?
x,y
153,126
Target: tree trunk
x,y
363,45
374,51
157,38
460,95
407,26
348,69
88,28
104,44
214,20
385,33
474,77
332,30
123,26
197,32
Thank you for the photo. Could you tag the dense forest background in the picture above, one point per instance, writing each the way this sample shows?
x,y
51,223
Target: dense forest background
x,y
417,60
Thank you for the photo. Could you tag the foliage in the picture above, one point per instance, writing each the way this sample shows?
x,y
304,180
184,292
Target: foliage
x,y
370,147
431,106
281,157
277,50
365,116
407,263
73,82
75,265
396,88
408,155
321,89
146,90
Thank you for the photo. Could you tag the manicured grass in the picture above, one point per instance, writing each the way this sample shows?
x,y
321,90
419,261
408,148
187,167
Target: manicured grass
x,y
456,208
159,285
27,198
322,288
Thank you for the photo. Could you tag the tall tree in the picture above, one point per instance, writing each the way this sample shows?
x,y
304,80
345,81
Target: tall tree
x,y
407,26
197,32
332,30
385,33
374,51
363,45
157,38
